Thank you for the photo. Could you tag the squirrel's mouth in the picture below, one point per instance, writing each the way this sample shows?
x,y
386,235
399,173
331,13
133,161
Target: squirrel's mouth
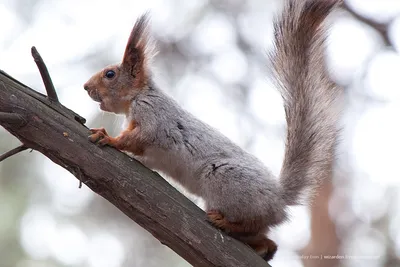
x,y
94,94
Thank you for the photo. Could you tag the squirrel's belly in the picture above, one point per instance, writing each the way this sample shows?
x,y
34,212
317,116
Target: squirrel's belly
x,y
175,167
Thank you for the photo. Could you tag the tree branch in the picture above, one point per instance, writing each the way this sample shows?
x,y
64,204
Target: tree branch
x,y
12,152
48,84
141,194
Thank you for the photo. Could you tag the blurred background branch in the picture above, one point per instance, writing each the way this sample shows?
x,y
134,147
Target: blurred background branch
x,y
382,28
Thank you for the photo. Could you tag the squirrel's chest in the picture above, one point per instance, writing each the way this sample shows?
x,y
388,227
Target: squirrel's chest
x,y
175,165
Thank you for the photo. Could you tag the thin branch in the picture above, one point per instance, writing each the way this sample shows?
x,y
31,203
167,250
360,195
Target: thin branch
x,y
12,152
48,84
78,174
381,28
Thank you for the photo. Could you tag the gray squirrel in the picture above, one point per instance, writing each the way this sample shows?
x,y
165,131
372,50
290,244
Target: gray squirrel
x,y
241,195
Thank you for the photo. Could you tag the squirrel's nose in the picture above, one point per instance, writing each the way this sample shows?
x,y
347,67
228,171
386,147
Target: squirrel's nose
x,y
86,87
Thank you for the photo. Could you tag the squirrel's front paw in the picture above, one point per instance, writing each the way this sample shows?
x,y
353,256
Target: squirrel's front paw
x,y
99,136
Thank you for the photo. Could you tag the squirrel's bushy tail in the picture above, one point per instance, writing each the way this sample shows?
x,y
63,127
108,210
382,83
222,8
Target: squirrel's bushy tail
x,y
310,97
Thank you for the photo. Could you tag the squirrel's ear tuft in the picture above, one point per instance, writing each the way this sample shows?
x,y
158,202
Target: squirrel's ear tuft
x,y
139,50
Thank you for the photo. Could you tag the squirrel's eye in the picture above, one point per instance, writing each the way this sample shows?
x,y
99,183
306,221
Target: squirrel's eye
x,y
110,74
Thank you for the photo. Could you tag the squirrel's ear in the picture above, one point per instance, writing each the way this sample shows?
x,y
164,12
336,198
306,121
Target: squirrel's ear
x,y
138,50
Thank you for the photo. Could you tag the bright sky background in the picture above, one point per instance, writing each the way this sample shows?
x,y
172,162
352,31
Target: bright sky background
x,y
65,30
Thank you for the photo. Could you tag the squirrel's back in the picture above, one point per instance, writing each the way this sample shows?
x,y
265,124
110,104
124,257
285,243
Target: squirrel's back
x,y
310,97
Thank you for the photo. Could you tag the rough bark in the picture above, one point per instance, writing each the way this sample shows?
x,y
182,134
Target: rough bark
x,y
50,128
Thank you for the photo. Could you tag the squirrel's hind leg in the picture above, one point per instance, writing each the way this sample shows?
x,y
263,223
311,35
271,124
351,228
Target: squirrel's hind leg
x,y
264,246
250,232
217,219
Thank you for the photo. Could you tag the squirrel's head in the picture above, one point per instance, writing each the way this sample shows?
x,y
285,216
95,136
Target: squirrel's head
x,y
115,86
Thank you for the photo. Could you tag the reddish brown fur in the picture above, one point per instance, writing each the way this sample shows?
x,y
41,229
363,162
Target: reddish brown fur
x,y
131,76
113,94
249,226
135,59
125,141
249,232
264,246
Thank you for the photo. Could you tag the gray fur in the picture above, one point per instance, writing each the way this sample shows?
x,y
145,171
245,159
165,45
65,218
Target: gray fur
x,y
229,179
311,99
204,161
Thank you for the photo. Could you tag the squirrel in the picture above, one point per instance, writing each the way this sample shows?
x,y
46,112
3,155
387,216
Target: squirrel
x,y
242,197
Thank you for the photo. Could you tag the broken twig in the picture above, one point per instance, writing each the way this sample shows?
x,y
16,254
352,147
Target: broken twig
x,y
48,84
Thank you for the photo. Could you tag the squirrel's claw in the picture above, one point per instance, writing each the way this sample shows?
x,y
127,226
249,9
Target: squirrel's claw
x,y
104,141
96,130
216,219
99,136
266,249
